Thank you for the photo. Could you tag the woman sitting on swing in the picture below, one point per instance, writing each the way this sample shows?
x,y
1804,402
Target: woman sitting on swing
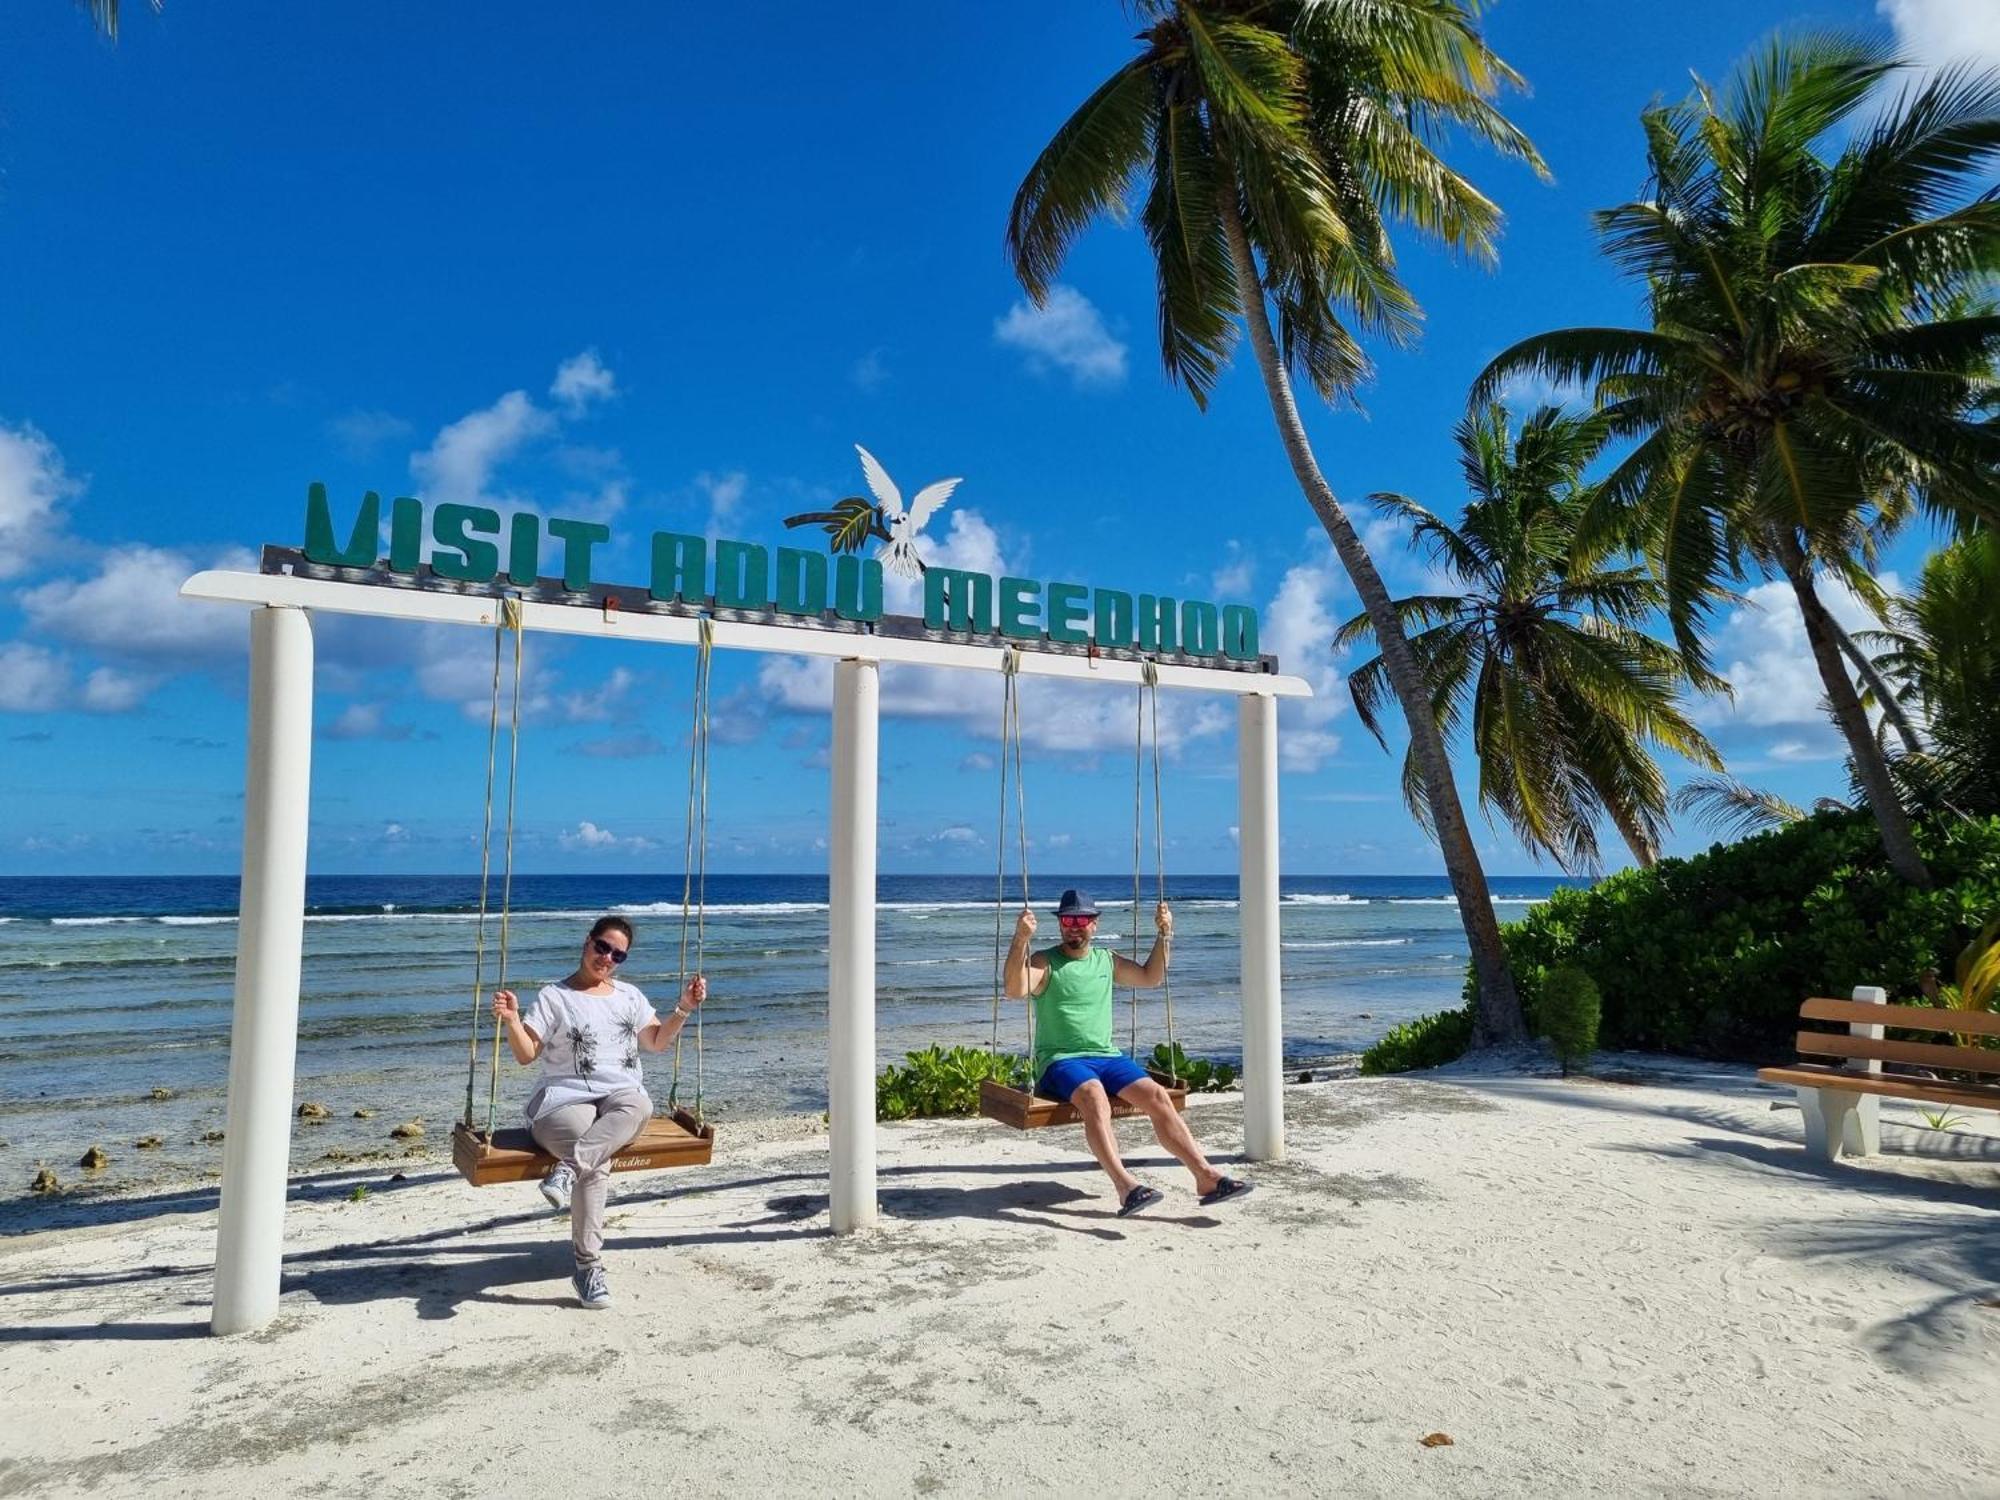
x,y
591,1101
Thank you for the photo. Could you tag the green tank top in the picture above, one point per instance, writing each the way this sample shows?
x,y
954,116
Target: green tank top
x,y
1073,1011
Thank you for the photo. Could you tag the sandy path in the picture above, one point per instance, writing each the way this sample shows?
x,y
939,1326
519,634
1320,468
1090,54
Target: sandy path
x,y
1593,1287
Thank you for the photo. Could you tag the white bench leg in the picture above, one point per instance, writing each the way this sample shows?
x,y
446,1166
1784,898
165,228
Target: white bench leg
x,y
1861,1129
1833,1122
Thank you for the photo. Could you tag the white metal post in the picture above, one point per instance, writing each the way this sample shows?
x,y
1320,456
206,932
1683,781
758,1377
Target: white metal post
x,y
270,934
851,946
1257,908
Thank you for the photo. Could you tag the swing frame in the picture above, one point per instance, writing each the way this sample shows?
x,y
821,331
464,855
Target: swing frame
x,y
289,593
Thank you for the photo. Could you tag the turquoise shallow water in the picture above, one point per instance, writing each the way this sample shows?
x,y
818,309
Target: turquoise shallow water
x,y
110,989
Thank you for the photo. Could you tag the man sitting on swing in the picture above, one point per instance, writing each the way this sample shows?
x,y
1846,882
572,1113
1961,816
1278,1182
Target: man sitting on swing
x,y
1075,1062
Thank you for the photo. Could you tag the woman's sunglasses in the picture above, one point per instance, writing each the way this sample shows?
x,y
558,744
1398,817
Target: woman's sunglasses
x,y
605,950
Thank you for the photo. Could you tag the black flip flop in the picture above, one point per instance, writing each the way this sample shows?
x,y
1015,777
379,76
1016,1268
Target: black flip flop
x,y
1141,1197
1223,1191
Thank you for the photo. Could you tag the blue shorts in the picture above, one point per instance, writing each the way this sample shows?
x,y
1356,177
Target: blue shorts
x,y
1066,1076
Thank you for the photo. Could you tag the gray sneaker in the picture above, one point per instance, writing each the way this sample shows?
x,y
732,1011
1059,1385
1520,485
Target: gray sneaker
x,y
557,1185
591,1289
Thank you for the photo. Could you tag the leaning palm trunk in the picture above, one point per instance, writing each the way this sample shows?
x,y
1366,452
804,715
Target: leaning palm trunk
x,y
1871,767
1497,1016
1884,695
1645,853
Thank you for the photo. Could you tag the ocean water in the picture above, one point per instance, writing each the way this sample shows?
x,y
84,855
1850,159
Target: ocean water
x,y
112,988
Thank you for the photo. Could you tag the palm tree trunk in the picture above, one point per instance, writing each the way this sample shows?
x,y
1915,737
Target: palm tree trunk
x,y
1885,698
1497,1013
1643,849
1871,767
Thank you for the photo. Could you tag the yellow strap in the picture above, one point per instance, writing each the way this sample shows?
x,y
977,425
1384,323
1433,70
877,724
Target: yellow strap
x,y
511,621
694,897
485,863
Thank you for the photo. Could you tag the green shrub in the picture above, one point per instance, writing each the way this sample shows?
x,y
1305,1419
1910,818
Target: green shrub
x,y
1570,1009
1199,1074
1710,956
1425,1042
937,1082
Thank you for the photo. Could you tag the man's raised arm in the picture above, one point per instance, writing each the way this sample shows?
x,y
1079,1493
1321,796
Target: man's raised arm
x,y
1016,974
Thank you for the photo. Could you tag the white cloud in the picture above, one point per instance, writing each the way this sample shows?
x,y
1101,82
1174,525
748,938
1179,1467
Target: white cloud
x,y
1938,33
459,463
132,608
588,835
1059,840
979,760
395,833
580,380
362,434
1298,628
1066,333
869,372
109,691
33,487
366,721
1232,580
1762,651
601,703
958,834
724,492
32,679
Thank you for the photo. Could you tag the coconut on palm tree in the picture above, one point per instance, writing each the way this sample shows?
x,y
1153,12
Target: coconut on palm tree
x,y
1539,651
1277,142
1811,375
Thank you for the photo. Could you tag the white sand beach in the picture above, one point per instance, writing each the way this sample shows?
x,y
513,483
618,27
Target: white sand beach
x,y
1592,1286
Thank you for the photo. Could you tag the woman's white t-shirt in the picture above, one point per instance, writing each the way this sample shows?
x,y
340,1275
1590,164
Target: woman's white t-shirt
x,y
590,1044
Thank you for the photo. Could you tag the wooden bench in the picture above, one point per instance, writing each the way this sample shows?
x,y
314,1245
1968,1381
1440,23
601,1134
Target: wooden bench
x,y
1840,1100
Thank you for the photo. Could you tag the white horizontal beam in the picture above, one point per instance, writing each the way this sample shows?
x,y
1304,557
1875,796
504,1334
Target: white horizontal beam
x,y
803,639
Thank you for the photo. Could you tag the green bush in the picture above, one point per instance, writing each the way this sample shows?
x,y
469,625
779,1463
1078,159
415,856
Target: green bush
x,y
1199,1074
937,1082
1425,1042
1570,1010
1710,956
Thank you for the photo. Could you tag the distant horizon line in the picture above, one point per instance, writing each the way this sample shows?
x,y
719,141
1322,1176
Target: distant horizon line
x,y
1092,876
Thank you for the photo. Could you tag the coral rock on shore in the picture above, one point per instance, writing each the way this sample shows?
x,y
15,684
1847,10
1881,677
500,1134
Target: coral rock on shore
x,y
313,1111
45,1181
148,1143
161,1092
364,1114
409,1130
95,1158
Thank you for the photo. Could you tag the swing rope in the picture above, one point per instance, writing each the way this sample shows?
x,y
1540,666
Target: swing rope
x,y
1148,704
508,622
1152,690
694,886
485,866
1010,749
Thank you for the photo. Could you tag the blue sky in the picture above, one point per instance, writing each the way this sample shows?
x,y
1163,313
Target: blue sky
x,y
665,266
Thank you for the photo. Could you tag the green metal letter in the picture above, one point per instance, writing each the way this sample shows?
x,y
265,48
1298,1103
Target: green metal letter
x,y
577,537
1201,634
1067,612
524,548
1114,618
1020,608
406,535
1155,630
452,527
1239,632
680,567
957,600
320,545
801,582
857,588
742,575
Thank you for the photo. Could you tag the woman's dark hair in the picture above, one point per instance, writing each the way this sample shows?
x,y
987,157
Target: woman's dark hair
x,y
612,924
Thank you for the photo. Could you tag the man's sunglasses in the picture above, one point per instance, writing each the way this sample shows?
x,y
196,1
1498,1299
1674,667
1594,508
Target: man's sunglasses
x,y
1075,921
605,950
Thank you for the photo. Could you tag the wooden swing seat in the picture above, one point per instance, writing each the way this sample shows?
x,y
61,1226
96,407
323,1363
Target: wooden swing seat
x,y
1020,1110
676,1140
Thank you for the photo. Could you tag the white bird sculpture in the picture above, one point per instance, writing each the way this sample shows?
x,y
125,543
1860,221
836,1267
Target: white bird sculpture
x,y
899,553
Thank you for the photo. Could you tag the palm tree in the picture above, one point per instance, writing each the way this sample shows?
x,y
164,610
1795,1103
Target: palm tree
x,y
104,15
1810,376
1943,658
1543,645
1277,141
